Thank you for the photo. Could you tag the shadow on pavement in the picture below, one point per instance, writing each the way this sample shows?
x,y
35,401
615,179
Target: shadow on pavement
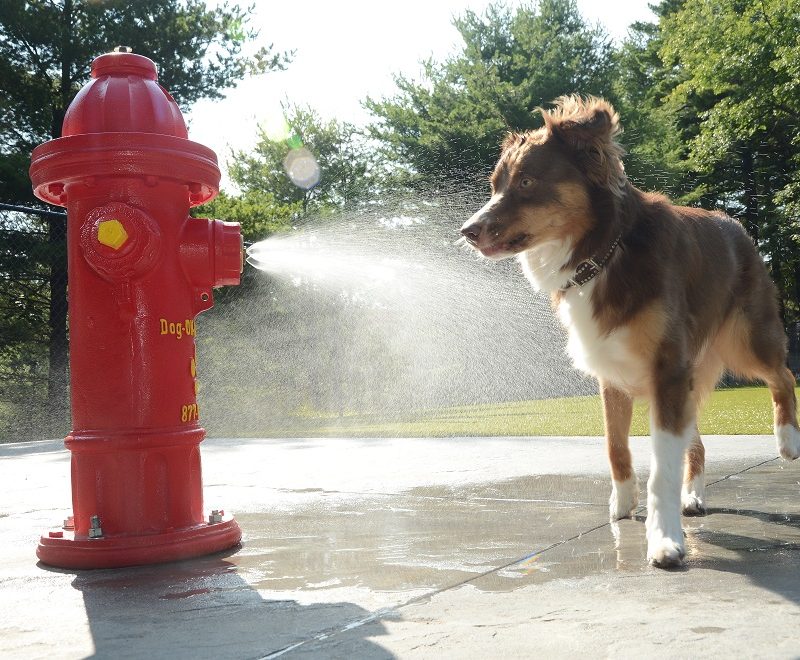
x,y
767,553
205,609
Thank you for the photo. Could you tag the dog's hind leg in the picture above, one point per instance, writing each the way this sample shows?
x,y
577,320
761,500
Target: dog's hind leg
x,y
693,495
768,346
617,413
760,352
781,385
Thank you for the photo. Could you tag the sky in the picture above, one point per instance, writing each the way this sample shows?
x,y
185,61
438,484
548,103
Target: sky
x,y
346,50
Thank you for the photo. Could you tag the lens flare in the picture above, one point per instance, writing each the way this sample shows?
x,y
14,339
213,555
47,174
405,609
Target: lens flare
x,y
274,126
302,168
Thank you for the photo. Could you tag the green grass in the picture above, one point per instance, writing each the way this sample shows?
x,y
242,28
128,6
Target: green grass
x,y
745,410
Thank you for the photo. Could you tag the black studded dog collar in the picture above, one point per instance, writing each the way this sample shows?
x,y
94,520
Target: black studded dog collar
x,y
590,268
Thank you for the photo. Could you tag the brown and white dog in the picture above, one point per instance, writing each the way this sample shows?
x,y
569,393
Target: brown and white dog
x,y
657,300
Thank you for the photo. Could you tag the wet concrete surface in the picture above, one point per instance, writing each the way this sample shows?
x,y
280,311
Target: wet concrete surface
x,y
422,548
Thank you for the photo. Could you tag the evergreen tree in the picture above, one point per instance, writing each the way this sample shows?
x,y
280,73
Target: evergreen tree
x,y
512,62
713,92
46,48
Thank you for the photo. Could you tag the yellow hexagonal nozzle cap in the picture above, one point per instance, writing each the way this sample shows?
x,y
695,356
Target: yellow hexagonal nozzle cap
x,y
112,234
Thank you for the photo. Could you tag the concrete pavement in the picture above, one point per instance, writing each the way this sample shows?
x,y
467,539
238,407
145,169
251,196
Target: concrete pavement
x,y
419,548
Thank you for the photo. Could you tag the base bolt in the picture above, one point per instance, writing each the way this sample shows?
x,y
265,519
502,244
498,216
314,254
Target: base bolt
x,y
95,530
216,516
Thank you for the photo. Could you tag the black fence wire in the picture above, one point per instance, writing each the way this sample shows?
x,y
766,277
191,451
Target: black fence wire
x,y
33,279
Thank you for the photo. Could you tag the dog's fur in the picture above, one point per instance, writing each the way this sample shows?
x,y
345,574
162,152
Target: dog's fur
x,y
684,296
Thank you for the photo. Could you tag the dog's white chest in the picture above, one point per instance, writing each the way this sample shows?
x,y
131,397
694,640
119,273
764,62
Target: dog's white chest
x,y
606,356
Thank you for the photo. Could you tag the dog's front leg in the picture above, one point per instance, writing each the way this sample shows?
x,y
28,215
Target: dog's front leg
x,y
617,413
671,429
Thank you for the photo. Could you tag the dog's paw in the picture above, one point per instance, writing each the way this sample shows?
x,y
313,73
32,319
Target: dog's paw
x,y
693,497
692,505
624,499
665,544
665,552
788,438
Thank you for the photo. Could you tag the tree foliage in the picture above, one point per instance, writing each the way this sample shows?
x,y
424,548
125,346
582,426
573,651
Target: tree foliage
x,y
46,49
512,61
714,90
349,168
655,137
258,212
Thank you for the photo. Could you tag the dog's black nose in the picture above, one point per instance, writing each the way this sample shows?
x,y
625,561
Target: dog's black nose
x,y
472,232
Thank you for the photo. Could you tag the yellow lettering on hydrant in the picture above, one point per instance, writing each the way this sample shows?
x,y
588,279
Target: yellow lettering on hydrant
x,y
178,329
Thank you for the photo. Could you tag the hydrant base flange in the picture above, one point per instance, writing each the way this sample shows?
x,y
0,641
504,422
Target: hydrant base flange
x,y
116,552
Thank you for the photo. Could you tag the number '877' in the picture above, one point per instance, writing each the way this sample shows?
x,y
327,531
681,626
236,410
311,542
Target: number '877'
x,y
190,413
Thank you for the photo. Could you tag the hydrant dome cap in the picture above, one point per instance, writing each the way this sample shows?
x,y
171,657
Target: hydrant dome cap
x,y
123,96
124,63
123,123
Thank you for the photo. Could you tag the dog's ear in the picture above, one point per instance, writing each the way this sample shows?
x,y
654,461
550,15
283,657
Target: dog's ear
x,y
590,126
583,123
511,140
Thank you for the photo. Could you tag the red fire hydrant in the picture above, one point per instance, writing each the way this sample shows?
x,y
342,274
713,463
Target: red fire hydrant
x,y
140,270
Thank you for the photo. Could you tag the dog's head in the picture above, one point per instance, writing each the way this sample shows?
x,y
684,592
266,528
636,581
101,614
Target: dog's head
x,y
544,180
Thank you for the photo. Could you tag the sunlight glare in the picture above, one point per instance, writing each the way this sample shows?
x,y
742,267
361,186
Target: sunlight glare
x,y
302,168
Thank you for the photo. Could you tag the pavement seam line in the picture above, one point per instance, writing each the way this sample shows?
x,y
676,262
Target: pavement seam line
x,y
752,467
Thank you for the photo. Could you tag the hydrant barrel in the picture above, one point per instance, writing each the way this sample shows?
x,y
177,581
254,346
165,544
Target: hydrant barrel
x,y
140,270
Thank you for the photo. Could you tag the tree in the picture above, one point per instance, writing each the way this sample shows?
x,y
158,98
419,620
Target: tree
x,y
46,48
656,138
349,169
738,69
512,62
24,306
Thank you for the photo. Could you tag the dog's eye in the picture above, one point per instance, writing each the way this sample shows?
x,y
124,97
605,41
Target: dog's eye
x,y
525,182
